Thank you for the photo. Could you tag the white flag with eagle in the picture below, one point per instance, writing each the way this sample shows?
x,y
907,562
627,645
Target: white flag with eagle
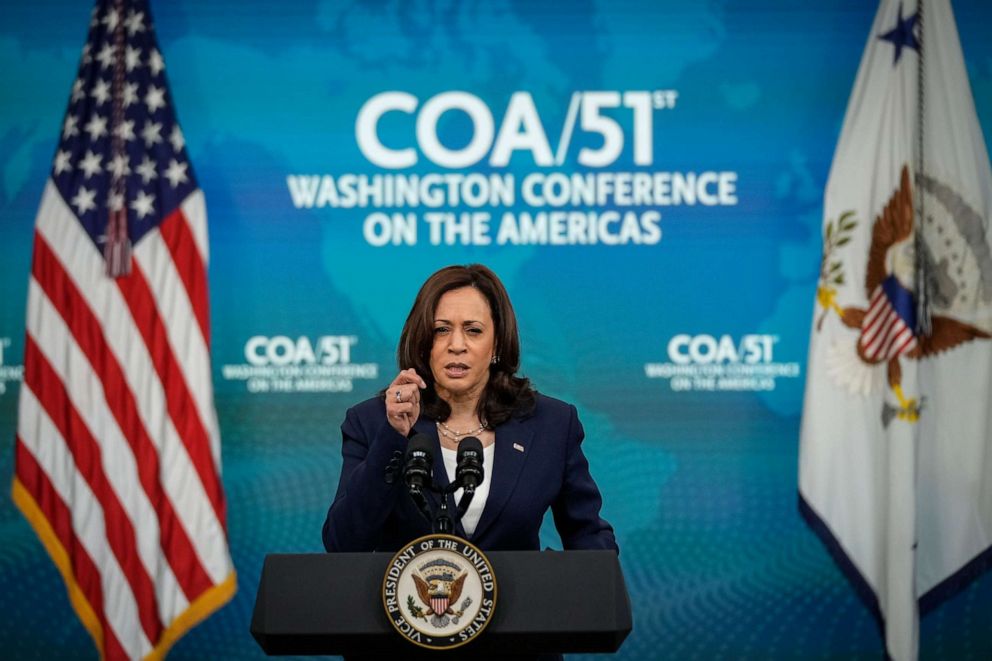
x,y
896,441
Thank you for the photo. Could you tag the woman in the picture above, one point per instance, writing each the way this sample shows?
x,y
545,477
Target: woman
x,y
458,355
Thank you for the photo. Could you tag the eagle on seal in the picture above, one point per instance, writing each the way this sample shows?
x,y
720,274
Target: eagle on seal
x,y
887,327
438,595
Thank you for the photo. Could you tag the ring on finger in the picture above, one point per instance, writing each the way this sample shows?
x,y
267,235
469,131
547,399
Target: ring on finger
x,y
399,396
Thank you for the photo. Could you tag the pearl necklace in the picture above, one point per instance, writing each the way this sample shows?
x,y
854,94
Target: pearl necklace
x,y
457,436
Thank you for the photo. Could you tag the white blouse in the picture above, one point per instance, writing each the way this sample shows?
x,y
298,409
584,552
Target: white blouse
x,y
474,512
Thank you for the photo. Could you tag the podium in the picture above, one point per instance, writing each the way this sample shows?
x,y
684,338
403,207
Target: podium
x,y
547,602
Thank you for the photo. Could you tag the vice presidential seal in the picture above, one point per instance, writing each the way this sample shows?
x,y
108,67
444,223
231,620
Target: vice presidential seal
x,y
439,592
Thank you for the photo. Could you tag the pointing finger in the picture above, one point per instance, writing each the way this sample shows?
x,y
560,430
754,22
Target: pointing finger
x,y
410,376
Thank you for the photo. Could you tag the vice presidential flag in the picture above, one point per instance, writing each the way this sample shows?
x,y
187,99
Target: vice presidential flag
x,y
896,449
117,448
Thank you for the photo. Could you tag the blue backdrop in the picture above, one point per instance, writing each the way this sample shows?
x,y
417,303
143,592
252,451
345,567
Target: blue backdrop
x,y
672,307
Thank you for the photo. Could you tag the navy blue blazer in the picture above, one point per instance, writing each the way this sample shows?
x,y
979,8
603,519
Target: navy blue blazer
x,y
538,463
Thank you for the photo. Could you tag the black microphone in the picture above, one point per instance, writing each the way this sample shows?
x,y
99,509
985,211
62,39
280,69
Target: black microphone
x,y
469,472
417,471
419,462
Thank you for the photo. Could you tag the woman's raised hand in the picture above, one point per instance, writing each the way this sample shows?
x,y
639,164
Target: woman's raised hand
x,y
403,400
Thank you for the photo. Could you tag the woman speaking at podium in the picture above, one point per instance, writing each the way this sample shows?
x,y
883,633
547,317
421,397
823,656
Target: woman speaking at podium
x,y
458,354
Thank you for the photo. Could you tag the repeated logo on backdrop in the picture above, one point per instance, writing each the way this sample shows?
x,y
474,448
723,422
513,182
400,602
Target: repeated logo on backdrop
x,y
596,206
284,364
722,363
8,373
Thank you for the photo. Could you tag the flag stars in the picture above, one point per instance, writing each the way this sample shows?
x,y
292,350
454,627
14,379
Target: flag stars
x,y
903,35
90,165
105,56
132,58
84,200
111,20
130,94
96,127
155,98
63,162
119,166
176,139
125,130
151,133
77,90
101,91
155,62
135,22
147,170
143,204
176,173
69,128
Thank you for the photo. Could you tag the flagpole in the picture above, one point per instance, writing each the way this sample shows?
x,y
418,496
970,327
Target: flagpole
x,y
923,320
922,295
117,250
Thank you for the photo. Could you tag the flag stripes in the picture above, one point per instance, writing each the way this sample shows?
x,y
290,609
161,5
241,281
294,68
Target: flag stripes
x,y
47,510
178,400
163,332
85,329
190,267
135,400
52,332
117,624
110,312
39,377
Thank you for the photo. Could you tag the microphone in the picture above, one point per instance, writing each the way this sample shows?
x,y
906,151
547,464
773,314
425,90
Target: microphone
x,y
419,460
469,472
417,471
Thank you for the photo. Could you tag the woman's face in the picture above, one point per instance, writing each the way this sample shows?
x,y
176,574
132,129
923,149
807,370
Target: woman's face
x,y
464,344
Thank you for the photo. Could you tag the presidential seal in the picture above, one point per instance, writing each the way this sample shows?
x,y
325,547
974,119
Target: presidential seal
x,y
956,277
439,592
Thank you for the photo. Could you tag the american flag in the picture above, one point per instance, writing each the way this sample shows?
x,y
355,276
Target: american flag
x,y
887,330
118,447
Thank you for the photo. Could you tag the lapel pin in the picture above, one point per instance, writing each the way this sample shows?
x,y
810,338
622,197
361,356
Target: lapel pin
x,y
518,447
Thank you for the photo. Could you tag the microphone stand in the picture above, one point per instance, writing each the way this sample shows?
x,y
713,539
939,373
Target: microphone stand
x,y
417,495
442,521
465,501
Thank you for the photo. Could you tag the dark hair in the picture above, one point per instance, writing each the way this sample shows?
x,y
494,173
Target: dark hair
x,y
506,394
